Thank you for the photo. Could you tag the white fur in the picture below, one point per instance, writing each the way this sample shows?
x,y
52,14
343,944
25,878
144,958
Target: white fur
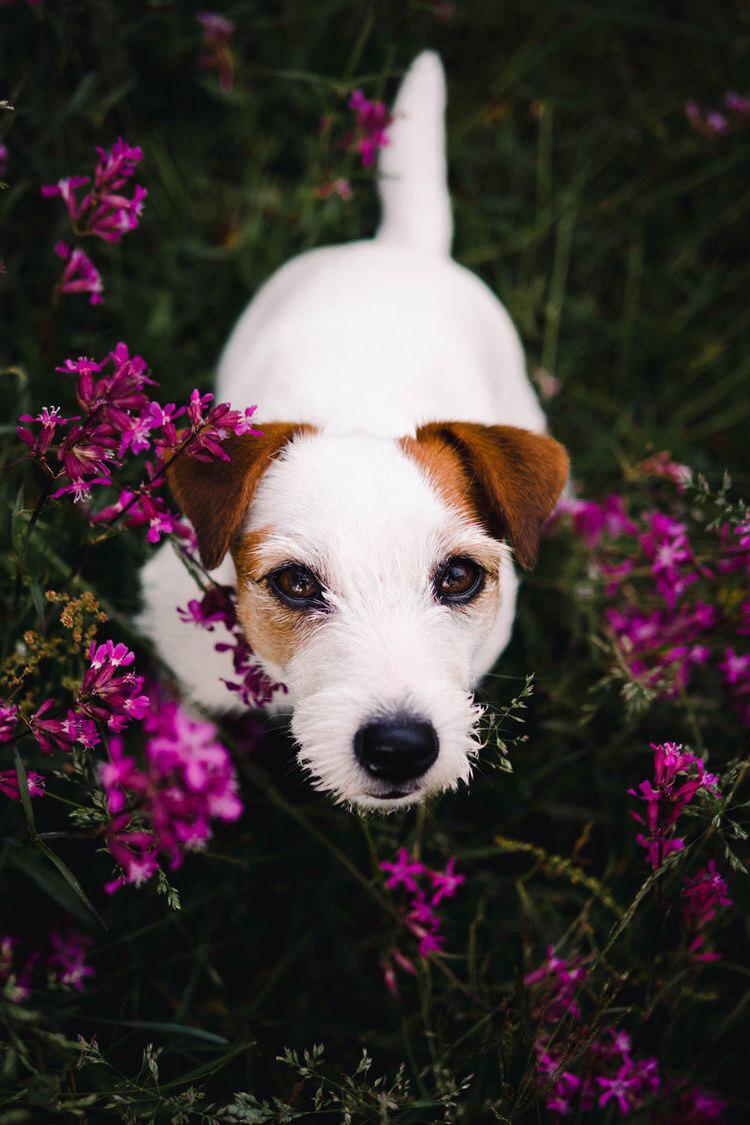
x,y
367,341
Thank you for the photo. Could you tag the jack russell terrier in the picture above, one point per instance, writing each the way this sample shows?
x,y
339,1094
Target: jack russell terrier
x,y
371,530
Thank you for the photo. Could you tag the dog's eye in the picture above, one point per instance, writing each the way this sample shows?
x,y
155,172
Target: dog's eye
x,y
458,581
297,586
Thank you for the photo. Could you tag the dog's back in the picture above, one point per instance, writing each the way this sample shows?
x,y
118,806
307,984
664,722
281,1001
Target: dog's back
x,y
384,334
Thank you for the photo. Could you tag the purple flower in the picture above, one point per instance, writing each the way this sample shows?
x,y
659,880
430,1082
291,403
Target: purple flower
x,y
217,34
8,721
3,159
80,274
104,212
593,521
187,782
61,734
738,104
736,667
678,777
213,425
704,895
107,695
49,418
403,871
446,883
623,1087
371,123
709,123
9,784
68,955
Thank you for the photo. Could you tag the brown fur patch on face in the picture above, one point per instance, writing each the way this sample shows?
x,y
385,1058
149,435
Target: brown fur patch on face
x,y
273,631
443,467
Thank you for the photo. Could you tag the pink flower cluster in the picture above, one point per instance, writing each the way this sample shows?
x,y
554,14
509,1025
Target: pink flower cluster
x,y
109,693
166,806
425,889
710,123
121,420
704,895
217,36
678,777
64,956
103,212
653,561
609,1074
370,130
219,606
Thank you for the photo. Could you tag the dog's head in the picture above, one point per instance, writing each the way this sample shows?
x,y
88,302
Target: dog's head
x,y
371,575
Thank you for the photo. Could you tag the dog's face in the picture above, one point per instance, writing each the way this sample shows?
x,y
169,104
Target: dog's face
x,y
370,579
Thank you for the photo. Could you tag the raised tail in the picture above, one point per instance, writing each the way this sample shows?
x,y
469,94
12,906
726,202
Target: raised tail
x,y
413,176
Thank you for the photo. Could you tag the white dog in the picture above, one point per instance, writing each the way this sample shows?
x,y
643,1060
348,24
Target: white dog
x,y
370,531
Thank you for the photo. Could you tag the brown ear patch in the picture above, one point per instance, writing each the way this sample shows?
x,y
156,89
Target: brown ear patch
x,y
512,477
215,495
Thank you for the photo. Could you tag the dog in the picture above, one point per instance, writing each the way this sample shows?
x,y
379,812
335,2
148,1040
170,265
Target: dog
x,y
371,532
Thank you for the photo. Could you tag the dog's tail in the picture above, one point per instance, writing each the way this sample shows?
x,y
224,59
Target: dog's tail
x,y
413,177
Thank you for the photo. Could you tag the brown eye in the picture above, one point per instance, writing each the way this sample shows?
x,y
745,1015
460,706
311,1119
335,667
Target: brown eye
x,y
297,586
459,581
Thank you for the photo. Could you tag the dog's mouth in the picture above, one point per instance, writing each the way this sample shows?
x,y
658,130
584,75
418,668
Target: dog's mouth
x,y
393,793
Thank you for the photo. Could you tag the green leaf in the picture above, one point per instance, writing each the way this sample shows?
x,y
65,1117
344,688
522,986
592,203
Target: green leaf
x,y
32,865
69,878
23,792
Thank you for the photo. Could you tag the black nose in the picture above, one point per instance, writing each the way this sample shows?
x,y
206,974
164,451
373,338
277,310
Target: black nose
x,y
396,749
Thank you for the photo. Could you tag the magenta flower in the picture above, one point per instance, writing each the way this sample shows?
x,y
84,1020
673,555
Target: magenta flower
x,y
8,721
80,274
3,159
61,734
218,604
678,777
709,123
9,784
213,425
704,895
371,123
68,955
662,465
446,883
104,212
188,782
107,695
696,1106
403,871
49,418
592,521
736,667
738,104
217,35
623,1087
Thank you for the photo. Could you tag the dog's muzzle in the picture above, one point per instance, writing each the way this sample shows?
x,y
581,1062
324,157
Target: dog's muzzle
x,y
396,750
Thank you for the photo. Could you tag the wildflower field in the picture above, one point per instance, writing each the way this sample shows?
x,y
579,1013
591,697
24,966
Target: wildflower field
x,y
188,932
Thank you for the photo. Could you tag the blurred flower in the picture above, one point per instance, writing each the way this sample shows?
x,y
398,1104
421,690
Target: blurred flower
x,y
371,123
339,187
662,465
218,604
3,159
80,274
403,871
591,520
738,104
67,959
709,123
187,782
217,36
705,894
9,784
8,721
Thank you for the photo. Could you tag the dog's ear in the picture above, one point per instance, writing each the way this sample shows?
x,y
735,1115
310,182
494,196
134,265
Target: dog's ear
x,y
215,495
515,478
